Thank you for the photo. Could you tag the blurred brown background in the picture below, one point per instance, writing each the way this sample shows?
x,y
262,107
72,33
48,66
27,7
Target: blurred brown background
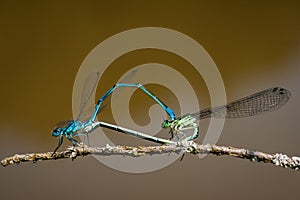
x,y
255,45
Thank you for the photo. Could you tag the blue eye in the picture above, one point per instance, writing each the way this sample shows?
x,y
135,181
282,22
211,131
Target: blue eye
x,y
56,132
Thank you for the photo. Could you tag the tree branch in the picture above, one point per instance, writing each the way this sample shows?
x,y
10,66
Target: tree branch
x,y
277,159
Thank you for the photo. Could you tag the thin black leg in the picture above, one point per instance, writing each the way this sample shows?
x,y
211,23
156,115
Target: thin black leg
x,y
59,143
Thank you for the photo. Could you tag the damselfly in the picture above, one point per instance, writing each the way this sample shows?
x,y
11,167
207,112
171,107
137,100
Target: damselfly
x,y
77,127
261,102
255,104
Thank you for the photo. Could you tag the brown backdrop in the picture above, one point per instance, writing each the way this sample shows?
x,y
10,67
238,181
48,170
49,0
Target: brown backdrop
x,y
255,45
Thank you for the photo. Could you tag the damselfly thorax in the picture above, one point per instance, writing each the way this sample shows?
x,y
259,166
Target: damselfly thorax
x,y
182,125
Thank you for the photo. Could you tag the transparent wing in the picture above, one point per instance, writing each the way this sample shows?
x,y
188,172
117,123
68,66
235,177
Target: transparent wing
x,y
89,111
255,104
129,76
62,124
89,86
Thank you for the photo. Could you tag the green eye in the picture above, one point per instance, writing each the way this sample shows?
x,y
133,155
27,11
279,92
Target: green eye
x,y
165,124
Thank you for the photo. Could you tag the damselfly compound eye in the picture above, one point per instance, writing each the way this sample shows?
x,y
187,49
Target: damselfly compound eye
x,y
56,132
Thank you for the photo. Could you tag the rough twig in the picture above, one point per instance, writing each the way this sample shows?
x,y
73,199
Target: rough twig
x,y
277,159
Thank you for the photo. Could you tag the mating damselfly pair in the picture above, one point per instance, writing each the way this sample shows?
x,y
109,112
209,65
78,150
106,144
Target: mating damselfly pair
x,y
255,104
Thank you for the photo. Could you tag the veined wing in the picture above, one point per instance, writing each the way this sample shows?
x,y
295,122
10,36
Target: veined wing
x,y
89,86
62,124
255,104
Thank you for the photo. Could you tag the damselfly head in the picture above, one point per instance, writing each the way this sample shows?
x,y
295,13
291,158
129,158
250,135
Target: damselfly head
x,y
166,124
56,132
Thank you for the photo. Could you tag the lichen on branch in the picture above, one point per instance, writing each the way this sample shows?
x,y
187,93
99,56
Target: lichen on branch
x,y
277,159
